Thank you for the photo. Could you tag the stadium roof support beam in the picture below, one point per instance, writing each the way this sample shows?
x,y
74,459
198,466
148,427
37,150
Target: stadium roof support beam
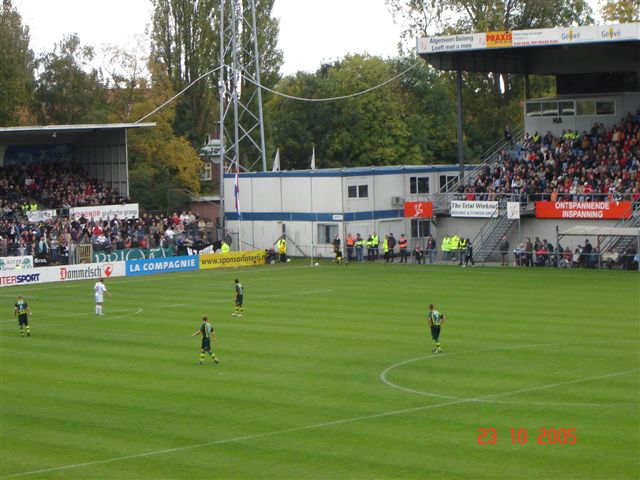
x,y
459,122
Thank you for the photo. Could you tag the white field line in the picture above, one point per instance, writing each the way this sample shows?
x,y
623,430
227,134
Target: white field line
x,y
313,426
386,381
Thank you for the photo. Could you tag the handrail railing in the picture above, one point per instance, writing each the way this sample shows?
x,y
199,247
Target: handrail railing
x,y
441,201
488,157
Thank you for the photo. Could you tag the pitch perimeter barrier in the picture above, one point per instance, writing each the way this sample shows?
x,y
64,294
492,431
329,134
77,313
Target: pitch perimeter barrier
x,y
149,266
162,265
233,259
62,273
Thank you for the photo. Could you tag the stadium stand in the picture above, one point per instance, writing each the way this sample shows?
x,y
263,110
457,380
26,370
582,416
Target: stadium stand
x,y
61,187
602,163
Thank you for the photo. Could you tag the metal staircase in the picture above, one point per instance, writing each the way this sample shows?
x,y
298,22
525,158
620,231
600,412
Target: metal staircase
x,y
487,158
621,244
488,239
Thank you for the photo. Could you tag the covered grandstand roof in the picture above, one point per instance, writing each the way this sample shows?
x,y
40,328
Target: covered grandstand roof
x,y
38,135
601,231
544,51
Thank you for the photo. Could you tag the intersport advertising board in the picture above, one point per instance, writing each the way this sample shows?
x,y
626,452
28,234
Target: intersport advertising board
x,y
62,273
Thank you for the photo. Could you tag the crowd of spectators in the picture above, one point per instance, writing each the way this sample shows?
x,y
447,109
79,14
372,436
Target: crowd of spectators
x,y
542,253
62,186
57,239
603,163
52,185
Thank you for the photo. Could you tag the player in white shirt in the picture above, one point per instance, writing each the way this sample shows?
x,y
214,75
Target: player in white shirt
x,y
100,289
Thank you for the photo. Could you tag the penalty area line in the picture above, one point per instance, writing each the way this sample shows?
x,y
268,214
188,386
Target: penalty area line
x,y
311,426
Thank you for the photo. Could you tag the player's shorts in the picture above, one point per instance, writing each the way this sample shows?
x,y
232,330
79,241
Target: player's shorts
x,y
239,300
23,320
435,332
99,298
206,344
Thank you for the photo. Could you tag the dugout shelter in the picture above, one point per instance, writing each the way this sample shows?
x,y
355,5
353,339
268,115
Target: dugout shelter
x,y
601,233
99,149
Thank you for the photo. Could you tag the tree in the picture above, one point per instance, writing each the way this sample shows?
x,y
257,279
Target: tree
x,y
128,79
620,11
68,89
158,159
404,122
16,67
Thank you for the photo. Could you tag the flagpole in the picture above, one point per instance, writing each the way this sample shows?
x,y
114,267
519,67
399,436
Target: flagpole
x,y
313,167
312,217
237,195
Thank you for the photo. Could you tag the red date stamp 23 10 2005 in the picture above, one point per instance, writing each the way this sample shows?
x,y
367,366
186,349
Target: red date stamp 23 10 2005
x,y
546,436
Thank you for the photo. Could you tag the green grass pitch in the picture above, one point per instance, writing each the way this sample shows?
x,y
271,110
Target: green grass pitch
x,y
329,375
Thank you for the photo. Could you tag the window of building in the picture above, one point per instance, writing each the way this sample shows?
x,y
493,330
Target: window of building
x,y
550,109
420,228
206,173
447,182
326,232
419,185
607,107
534,109
567,109
585,107
358,191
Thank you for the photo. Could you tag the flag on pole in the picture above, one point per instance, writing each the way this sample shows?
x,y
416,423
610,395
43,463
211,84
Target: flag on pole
x,y
236,192
276,162
313,158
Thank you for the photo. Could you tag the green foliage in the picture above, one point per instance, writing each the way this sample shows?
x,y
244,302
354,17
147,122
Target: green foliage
x,y
404,122
160,160
68,89
16,67
620,11
184,39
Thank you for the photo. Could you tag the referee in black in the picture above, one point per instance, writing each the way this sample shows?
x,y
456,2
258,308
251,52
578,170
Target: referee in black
x,y
436,319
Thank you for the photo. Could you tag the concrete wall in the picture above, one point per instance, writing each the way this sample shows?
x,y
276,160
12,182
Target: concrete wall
x,y
103,155
625,103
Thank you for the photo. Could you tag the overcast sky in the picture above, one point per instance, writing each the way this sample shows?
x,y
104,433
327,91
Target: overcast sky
x,y
311,31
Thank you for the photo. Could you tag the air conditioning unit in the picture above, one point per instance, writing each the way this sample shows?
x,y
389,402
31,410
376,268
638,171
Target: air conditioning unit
x,y
397,201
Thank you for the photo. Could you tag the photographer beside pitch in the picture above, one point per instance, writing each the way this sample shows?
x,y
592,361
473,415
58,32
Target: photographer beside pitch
x,y
436,319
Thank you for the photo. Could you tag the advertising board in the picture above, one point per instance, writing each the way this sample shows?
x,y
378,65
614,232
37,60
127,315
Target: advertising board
x,y
475,209
150,266
584,210
233,259
129,210
20,261
418,209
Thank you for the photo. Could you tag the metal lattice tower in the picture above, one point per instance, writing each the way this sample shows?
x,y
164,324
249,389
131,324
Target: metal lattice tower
x,y
241,120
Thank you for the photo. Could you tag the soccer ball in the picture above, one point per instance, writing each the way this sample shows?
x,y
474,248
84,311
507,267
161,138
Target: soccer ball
x,y
288,260
316,264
